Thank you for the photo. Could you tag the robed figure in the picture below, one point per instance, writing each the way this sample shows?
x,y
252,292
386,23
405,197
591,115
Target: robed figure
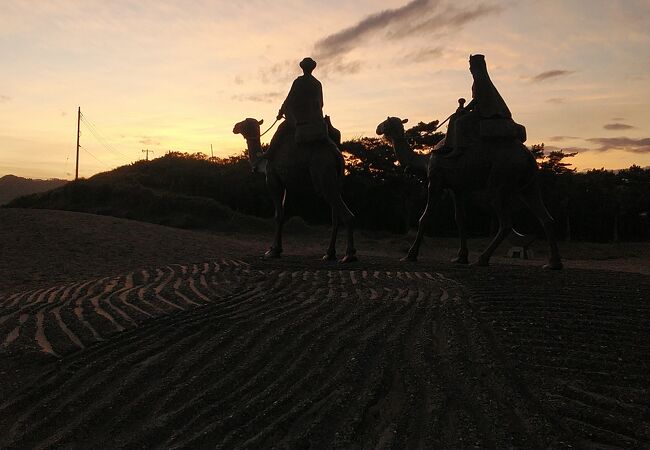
x,y
486,115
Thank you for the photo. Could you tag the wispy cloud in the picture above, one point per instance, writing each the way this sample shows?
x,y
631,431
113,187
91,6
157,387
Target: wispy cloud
x,y
556,100
440,22
280,72
4,98
347,39
147,140
617,126
416,18
424,54
550,74
622,143
562,138
265,97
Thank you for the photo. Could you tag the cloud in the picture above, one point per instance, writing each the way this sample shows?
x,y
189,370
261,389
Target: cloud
x,y
4,98
555,148
280,72
347,39
562,138
418,17
442,21
239,80
147,140
617,126
556,100
342,67
265,97
618,119
549,74
424,54
622,143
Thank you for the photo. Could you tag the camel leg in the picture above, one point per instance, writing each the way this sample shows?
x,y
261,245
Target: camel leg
x,y
459,208
343,214
502,209
325,176
346,216
278,195
412,255
331,249
532,197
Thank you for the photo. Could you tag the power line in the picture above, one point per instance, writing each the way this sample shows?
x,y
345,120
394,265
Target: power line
x,y
100,137
95,132
94,157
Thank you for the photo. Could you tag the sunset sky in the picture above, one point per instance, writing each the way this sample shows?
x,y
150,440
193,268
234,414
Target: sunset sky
x,y
162,75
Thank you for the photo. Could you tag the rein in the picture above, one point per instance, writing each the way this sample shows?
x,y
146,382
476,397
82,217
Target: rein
x,y
269,128
441,124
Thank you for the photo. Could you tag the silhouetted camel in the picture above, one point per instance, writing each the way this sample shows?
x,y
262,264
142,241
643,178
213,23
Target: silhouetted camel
x,y
503,167
322,161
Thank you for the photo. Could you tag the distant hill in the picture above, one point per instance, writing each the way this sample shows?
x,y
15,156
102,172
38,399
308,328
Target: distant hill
x,y
180,190
12,187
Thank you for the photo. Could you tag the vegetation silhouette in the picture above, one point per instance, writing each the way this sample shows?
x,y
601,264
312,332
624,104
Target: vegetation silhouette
x,y
596,205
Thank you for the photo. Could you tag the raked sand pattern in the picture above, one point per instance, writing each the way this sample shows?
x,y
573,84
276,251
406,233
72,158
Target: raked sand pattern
x,y
226,355
241,354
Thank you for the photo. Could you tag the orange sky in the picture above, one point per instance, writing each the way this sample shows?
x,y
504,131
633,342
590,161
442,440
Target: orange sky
x,y
177,75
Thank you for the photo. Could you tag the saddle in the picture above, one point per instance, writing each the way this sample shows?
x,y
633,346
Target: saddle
x,y
310,131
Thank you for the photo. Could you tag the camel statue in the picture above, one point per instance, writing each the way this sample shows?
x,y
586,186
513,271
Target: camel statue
x,y
503,167
290,168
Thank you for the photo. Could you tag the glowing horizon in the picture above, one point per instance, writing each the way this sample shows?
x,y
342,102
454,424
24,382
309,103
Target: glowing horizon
x,y
165,76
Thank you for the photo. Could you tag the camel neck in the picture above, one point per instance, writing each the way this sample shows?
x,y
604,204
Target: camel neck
x,y
407,157
255,153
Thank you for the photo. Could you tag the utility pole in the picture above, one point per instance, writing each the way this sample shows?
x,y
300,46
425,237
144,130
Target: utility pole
x,y
147,151
211,152
76,171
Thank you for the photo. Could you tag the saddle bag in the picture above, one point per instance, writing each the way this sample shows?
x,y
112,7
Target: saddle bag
x,y
310,131
502,128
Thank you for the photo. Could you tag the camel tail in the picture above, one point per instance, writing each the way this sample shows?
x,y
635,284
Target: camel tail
x,y
529,179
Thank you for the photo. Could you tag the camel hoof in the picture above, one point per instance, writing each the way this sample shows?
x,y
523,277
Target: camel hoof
x,y
272,253
329,257
460,260
553,265
409,258
349,259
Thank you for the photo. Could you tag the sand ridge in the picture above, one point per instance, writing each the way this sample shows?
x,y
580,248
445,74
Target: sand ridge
x,y
238,352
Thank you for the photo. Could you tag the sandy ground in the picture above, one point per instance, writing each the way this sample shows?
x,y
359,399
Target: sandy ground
x,y
121,334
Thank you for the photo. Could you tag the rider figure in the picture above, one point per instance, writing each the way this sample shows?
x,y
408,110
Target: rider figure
x,y
486,103
303,110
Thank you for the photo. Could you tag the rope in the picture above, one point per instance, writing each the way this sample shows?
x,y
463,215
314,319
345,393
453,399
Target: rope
x,y
441,124
269,129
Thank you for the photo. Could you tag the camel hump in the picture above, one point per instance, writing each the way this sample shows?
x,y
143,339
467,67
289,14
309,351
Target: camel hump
x,y
501,128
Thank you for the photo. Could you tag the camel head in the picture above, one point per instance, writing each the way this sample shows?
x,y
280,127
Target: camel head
x,y
249,128
392,128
